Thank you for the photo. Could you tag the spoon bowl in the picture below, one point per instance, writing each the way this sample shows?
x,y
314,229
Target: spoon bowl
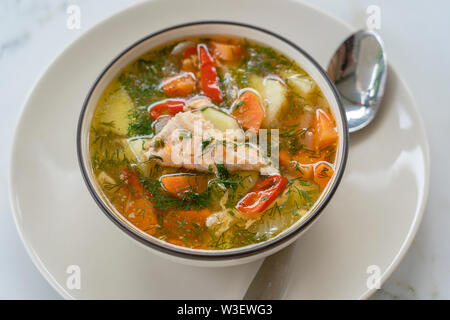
x,y
359,69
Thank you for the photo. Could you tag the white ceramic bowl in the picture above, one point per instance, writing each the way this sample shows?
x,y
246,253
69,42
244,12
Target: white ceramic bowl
x,y
205,28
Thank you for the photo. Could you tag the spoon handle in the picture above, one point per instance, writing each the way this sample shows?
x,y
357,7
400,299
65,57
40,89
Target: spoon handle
x,y
271,281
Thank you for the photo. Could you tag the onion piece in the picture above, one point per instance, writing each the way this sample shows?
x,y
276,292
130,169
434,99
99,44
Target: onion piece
x,y
160,123
180,47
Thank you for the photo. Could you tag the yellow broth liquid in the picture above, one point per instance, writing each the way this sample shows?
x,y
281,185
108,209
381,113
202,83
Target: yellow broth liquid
x,y
122,115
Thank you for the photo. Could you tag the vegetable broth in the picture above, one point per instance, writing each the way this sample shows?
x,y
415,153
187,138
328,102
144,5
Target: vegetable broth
x,y
226,84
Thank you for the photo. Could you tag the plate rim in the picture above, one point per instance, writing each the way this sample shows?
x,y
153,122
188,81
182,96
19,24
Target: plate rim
x,y
403,249
418,215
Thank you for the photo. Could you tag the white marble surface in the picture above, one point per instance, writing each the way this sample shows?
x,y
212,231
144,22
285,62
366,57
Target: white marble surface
x,y
32,33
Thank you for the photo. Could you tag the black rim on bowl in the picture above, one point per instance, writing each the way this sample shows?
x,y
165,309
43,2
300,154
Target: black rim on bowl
x,y
214,254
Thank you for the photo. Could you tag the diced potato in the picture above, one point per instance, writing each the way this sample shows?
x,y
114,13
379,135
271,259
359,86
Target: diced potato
x,y
274,94
304,86
136,146
301,84
219,119
115,110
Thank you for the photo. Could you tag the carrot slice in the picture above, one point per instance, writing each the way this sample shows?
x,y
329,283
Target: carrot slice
x,y
138,209
295,165
140,212
188,219
226,52
178,184
326,131
248,111
132,184
322,174
181,85
184,227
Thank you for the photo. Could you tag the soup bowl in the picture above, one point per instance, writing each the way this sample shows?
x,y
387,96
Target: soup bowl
x,y
203,257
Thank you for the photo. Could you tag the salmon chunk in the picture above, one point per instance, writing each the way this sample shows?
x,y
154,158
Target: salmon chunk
x,y
190,141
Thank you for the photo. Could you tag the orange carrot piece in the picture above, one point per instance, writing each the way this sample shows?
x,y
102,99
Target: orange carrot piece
x,y
132,184
225,51
296,165
248,111
138,209
326,131
181,85
178,184
189,219
140,212
322,174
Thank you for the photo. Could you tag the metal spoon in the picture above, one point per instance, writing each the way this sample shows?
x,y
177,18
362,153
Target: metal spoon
x,y
358,69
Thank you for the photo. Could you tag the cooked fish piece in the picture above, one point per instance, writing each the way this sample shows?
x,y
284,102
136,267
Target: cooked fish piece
x,y
190,141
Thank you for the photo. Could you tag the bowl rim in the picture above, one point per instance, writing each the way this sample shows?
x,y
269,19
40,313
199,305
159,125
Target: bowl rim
x,y
215,255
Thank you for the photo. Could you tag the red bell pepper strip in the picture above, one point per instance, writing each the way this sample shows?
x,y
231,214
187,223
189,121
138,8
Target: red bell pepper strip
x,y
171,107
262,195
210,83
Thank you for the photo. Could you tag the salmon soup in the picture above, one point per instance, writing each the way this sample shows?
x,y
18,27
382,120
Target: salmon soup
x,y
213,143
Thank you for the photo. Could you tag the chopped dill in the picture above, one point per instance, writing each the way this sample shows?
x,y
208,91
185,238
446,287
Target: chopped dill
x,y
158,143
207,142
239,105
140,123
164,201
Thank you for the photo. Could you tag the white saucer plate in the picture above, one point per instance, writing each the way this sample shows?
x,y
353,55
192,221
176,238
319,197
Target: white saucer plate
x,y
370,221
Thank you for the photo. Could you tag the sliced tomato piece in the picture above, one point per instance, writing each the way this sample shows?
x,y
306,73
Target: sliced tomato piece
x,y
262,195
168,107
210,82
